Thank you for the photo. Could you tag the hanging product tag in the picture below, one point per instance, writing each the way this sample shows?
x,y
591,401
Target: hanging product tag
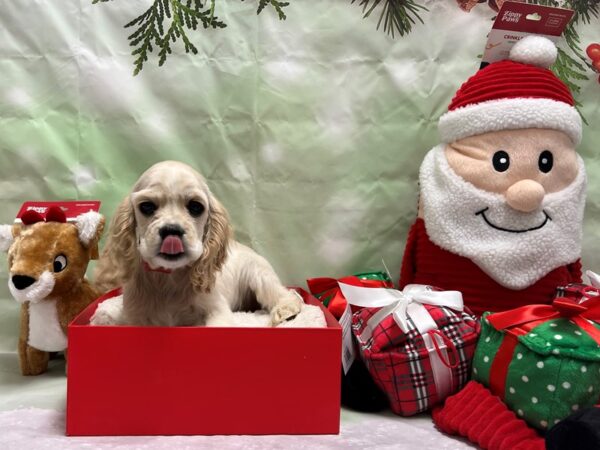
x,y
516,20
348,352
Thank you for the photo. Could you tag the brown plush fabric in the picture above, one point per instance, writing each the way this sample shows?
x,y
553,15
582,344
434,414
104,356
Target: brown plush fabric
x,y
31,360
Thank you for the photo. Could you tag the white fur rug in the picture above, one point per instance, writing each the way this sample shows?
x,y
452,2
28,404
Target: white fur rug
x,y
43,429
109,312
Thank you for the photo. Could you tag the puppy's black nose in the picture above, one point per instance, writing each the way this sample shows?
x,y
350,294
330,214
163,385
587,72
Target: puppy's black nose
x,y
171,230
22,281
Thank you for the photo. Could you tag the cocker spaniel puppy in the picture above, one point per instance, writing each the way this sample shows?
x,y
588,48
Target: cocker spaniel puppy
x,y
170,246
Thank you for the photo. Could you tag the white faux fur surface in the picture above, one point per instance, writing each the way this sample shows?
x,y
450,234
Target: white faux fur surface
x,y
45,332
535,50
109,313
510,114
43,429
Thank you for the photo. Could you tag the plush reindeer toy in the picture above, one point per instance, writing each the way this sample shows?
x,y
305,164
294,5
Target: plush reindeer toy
x,y
47,260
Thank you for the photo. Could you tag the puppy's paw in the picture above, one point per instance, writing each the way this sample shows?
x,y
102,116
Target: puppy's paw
x,y
287,308
109,312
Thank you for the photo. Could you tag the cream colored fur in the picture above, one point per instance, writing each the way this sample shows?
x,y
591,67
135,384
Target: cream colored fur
x,y
214,277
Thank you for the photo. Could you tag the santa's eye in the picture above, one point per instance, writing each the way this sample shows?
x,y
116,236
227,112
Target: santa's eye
x,y
546,161
147,208
501,161
60,262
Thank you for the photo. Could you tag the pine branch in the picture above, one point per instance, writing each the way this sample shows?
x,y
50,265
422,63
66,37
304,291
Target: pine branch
x,y
572,66
278,5
167,21
398,16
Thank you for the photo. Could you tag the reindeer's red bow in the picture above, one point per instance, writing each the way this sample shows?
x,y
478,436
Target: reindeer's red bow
x,y
53,214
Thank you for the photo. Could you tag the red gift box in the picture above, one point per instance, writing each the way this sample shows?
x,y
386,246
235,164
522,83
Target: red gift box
x,y
125,380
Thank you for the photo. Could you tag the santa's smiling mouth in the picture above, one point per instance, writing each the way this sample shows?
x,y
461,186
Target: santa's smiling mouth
x,y
482,214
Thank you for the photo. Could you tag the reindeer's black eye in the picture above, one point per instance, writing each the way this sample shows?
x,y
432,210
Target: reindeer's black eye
x,y
195,208
60,262
546,161
501,161
147,208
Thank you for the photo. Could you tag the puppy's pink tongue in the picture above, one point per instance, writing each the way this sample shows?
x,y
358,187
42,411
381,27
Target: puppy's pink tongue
x,y
172,245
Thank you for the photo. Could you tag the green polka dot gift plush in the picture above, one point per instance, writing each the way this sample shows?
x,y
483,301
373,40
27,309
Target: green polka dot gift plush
x,y
543,361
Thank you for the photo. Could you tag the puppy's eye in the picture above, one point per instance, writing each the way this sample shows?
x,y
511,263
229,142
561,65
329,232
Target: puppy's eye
x,y
147,208
195,208
501,161
60,262
546,161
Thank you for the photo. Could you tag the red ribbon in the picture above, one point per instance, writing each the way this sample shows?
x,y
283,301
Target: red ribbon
x,y
449,345
328,287
53,214
521,320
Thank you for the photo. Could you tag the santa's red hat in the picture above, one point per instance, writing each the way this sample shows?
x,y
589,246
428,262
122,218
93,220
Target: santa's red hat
x,y
516,93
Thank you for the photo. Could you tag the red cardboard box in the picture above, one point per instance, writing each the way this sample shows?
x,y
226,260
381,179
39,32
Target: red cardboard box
x,y
195,380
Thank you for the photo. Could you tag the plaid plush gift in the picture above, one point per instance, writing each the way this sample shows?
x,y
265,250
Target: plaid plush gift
x,y
418,348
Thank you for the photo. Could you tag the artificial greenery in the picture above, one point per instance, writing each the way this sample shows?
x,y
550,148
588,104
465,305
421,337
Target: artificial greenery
x,y
167,21
398,16
571,65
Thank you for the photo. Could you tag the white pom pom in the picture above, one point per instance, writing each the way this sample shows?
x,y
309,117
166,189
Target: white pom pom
x,y
535,50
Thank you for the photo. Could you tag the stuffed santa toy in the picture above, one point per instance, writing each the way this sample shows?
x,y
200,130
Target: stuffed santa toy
x,y
502,197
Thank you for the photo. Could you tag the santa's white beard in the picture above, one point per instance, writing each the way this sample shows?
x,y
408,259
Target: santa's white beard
x,y
516,249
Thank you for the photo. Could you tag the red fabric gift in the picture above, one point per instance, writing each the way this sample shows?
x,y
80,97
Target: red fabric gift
x,y
328,291
417,361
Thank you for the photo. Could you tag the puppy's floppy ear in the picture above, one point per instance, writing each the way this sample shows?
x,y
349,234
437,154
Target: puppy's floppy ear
x,y
120,253
217,234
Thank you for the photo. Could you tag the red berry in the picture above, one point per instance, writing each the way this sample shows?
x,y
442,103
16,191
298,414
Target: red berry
x,y
596,64
593,51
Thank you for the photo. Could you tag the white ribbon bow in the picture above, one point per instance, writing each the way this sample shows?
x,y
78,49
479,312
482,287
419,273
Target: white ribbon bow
x,y
402,304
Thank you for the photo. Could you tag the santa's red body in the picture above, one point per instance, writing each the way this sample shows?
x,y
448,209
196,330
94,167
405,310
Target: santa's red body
x,y
426,263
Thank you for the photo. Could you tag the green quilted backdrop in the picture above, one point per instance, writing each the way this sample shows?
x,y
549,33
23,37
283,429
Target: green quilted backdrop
x,y
310,130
